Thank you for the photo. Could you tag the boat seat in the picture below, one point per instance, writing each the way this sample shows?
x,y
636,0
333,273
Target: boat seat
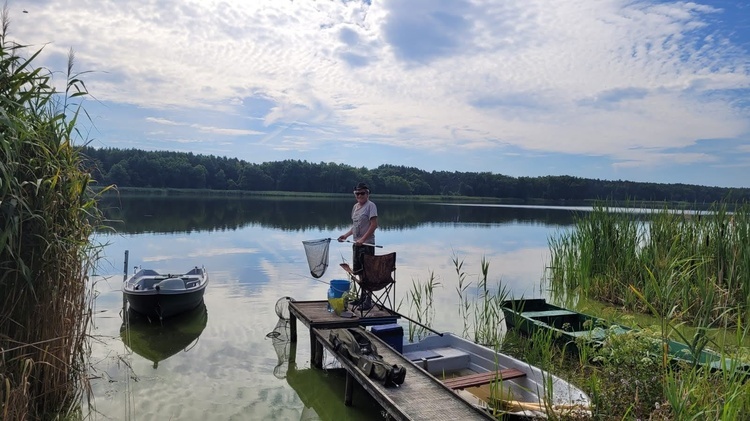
x,y
439,360
595,334
479,379
548,313
147,283
172,284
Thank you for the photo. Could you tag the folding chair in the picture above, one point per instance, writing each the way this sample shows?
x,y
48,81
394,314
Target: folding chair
x,y
378,277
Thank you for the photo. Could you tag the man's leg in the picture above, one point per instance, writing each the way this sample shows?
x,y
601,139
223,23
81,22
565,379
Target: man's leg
x,y
357,267
365,298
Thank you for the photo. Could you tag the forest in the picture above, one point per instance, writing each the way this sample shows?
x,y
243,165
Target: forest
x,y
180,170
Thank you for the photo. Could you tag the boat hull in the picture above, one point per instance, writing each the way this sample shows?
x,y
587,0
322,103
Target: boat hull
x,y
163,305
567,326
573,329
450,357
154,295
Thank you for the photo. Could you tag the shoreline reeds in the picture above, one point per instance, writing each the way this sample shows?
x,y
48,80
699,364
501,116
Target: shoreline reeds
x,y
47,214
613,258
702,256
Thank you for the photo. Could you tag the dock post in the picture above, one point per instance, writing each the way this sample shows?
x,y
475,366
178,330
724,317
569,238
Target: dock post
x,y
316,351
292,353
349,389
125,278
292,327
125,267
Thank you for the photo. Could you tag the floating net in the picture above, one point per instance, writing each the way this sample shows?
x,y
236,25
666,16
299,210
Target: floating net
x,y
317,256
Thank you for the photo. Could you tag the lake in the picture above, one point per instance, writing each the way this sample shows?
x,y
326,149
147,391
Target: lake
x,y
219,362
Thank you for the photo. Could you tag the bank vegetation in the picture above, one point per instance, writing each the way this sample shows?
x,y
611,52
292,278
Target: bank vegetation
x,y
47,214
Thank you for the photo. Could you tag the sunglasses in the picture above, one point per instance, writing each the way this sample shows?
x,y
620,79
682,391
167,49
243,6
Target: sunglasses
x,y
360,193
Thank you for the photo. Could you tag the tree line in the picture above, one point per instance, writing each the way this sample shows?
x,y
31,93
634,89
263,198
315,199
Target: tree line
x,y
180,170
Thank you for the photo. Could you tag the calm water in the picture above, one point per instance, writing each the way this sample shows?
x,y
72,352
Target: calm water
x,y
218,362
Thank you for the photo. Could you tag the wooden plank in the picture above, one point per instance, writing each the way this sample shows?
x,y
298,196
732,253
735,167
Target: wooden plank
x,y
420,397
315,314
483,378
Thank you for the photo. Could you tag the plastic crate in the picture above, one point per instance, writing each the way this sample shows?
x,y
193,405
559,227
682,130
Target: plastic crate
x,y
392,334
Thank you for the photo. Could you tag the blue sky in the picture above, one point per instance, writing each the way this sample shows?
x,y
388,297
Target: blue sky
x,y
655,91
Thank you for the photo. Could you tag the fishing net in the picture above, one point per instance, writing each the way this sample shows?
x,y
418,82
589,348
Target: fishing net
x,y
317,256
281,344
280,338
282,308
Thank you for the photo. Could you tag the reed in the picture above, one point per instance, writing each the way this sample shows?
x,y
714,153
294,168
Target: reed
x,y
46,217
481,312
421,306
625,378
463,300
705,257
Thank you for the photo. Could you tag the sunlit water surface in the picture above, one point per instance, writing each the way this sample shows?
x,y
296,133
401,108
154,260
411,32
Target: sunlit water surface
x,y
218,362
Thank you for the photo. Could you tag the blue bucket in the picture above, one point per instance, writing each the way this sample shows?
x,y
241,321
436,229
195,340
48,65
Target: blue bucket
x,y
335,292
338,288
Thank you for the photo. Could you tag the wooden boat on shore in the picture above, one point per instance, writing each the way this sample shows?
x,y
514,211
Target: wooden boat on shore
x,y
165,295
571,328
495,380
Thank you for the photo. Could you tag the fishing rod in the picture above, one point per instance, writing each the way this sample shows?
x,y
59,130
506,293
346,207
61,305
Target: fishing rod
x,y
395,313
364,244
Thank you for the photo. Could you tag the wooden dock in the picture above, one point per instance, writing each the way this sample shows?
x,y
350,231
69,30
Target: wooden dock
x,y
420,397
315,314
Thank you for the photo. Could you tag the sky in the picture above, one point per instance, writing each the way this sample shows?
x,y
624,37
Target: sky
x,y
646,91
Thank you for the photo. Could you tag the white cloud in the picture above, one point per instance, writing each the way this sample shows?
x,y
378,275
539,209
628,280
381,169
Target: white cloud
x,y
603,78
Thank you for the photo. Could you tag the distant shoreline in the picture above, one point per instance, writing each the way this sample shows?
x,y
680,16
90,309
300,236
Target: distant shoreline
x,y
240,194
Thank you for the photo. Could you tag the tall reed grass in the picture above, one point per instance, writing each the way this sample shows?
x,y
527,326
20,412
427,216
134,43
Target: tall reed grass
x,y
46,217
624,377
678,267
704,256
421,299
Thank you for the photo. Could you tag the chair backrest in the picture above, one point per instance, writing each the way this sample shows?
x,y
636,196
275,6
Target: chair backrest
x,y
378,271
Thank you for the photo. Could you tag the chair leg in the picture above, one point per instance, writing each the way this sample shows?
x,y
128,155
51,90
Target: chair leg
x,y
382,301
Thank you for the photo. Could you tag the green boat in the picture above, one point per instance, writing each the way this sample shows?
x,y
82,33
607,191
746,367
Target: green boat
x,y
572,329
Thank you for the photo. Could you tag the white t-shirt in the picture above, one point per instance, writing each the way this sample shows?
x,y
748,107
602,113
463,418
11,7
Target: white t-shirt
x,y
361,216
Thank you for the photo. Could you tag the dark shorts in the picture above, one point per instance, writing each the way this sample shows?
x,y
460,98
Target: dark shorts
x,y
358,256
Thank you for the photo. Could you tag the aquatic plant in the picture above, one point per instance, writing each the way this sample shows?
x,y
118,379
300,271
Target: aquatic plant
x,y
609,255
421,298
47,213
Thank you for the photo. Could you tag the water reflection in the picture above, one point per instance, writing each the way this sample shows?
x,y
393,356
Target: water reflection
x,y
253,248
132,215
320,390
156,341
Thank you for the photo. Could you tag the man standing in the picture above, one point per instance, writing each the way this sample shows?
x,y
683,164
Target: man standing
x,y
364,224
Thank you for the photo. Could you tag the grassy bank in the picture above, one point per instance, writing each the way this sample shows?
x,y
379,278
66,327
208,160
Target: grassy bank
x,y
625,378
47,214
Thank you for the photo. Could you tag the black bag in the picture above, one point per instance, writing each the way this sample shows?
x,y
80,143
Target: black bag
x,y
352,344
